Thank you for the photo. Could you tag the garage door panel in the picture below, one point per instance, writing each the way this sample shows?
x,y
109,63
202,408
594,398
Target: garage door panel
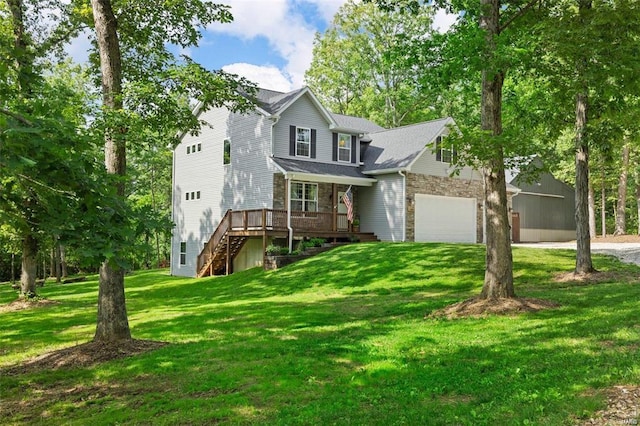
x,y
445,219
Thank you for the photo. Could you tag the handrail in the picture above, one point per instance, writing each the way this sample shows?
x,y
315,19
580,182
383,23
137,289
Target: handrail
x,y
270,220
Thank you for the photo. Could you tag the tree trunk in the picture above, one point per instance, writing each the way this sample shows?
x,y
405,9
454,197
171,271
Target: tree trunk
x,y
58,262
603,202
621,203
29,266
63,261
112,323
584,264
13,268
498,279
638,200
583,238
592,210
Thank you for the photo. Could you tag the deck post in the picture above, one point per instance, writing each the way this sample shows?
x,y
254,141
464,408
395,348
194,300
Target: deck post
x,y
264,219
228,260
245,219
335,202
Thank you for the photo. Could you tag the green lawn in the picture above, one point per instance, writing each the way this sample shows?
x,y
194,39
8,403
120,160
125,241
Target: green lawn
x,y
337,339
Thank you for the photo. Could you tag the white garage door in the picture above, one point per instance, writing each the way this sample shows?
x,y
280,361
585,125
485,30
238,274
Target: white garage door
x,y
445,219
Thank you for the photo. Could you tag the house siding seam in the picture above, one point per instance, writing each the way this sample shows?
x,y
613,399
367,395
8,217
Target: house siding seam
x,y
380,207
443,186
244,184
304,113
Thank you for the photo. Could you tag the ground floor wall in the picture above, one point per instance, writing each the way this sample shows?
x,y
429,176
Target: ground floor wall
x,y
250,256
529,235
447,187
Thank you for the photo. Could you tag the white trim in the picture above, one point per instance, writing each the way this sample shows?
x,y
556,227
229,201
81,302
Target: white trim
x,y
348,148
300,155
540,194
385,171
431,144
173,206
404,206
346,180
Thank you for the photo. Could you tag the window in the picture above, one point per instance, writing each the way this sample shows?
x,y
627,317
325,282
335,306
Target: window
x,y
445,154
187,195
227,152
183,253
191,149
303,142
197,195
193,195
304,196
344,147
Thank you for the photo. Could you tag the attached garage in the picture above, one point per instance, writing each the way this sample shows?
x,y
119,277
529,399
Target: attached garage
x,y
445,219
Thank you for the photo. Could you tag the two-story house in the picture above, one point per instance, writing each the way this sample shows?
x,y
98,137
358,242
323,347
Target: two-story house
x,y
280,172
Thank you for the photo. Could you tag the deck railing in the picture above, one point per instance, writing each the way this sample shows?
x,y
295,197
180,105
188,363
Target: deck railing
x,y
272,220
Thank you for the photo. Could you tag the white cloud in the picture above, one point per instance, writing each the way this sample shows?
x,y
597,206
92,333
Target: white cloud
x,y
443,20
266,77
287,31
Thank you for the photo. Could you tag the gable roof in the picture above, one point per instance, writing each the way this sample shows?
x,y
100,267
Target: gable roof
x,y
396,149
360,125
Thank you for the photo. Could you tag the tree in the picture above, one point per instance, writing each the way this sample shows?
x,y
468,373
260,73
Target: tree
x,y
579,57
361,65
38,118
142,84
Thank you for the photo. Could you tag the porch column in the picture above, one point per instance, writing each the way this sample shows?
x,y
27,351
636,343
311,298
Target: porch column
x,y
335,201
289,215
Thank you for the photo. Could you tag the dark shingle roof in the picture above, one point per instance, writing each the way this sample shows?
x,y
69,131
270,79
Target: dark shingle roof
x,y
311,167
272,101
361,125
397,148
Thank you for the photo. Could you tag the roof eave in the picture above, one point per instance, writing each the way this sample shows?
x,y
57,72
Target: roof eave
x,y
345,180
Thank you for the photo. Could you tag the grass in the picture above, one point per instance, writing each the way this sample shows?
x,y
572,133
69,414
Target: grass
x,y
340,338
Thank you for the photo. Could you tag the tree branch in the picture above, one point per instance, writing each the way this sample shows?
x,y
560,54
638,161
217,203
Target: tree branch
x,y
518,14
16,116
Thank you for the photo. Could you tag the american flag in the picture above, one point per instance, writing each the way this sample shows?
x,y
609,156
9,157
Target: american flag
x,y
348,203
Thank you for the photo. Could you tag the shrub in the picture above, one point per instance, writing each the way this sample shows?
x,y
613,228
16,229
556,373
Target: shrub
x,y
273,250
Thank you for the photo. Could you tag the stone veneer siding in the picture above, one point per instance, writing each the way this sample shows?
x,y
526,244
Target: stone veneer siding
x,y
325,196
443,186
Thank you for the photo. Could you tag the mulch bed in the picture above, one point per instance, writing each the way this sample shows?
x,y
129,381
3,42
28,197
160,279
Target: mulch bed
x,y
85,355
21,304
477,307
623,408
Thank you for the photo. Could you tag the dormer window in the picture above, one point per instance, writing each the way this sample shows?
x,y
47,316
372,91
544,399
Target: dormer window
x,y
344,147
303,142
445,154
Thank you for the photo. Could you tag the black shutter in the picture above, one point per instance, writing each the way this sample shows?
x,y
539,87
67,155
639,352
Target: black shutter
x,y
439,148
354,144
334,154
313,143
292,141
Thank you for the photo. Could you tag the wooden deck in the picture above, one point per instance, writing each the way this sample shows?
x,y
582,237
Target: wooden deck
x,y
238,225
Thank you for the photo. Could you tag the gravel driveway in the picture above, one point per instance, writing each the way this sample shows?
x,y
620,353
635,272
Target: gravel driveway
x,y
626,252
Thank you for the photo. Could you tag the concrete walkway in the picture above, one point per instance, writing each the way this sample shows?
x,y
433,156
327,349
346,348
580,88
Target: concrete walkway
x,y
626,252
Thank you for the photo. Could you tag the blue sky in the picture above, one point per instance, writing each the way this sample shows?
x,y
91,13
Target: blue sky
x,y
270,41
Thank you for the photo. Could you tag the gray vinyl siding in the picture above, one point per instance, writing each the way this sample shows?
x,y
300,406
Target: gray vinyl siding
x,y
303,113
427,164
381,207
246,183
538,210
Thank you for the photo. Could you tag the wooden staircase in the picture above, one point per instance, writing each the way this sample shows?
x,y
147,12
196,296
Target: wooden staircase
x,y
217,255
236,227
